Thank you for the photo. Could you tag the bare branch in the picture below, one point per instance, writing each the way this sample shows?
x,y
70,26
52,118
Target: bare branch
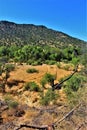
x,y
58,85
68,115
44,127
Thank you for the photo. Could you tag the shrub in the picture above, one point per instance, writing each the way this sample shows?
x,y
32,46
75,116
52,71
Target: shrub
x,y
27,86
75,60
13,104
48,97
58,65
43,82
30,61
50,62
10,101
32,70
9,67
7,98
47,78
72,87
66,67
32,86
75,82
34,63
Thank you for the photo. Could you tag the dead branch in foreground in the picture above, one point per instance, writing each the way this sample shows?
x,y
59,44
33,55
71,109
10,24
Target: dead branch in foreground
x,y
51,126
44,127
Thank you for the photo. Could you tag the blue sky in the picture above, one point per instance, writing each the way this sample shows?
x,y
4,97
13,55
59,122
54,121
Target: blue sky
x,y
68,16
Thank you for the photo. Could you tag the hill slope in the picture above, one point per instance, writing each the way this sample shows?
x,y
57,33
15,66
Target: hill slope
x,y
21,34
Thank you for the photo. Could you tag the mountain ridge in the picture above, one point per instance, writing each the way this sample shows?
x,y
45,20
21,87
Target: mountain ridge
x,y
22,34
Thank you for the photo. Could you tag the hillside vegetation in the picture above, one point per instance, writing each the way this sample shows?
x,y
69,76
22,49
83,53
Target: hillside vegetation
x,y
22,34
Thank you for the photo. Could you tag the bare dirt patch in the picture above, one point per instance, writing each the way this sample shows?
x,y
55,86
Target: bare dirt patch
x,y
21,74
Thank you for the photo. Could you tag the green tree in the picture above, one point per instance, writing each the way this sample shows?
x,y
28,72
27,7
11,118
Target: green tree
x,y
4,51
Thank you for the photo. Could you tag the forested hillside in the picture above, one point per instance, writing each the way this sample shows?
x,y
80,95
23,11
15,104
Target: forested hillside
x,y
22,34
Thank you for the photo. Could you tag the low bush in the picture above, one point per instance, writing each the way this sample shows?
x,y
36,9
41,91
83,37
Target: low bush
x,y
66,67
47,78
48,97
75,60
9,67
59,65
13,104
75,82
32,70
72,87
43,82
32,86
7,98
10,101
50,62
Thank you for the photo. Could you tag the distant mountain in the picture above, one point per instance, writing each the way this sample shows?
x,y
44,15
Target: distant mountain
x,y
22,34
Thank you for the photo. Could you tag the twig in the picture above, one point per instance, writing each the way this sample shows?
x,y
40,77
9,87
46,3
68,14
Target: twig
x,y
44,127
67,115
31,126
